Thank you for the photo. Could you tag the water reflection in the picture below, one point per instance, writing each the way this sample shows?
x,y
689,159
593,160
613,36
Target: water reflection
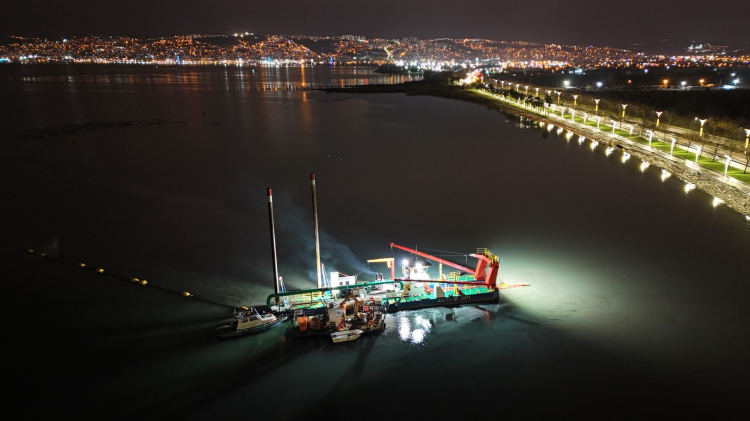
x,y
413,330
231,79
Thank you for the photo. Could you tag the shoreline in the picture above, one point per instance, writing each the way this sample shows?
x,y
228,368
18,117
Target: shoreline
x,y
703,179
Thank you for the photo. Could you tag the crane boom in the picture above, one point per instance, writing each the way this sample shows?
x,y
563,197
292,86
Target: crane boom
x,y
436,259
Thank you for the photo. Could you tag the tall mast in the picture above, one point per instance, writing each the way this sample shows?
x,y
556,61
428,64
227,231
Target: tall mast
x,y
273,246
315,218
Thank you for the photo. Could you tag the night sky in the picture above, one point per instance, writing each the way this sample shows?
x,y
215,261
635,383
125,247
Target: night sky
x,y
581,22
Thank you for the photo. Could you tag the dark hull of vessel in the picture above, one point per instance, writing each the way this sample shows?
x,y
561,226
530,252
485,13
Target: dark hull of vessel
x,y
485,297
226,332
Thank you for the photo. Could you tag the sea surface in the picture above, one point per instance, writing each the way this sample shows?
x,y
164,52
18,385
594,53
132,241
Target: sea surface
x,y
639,290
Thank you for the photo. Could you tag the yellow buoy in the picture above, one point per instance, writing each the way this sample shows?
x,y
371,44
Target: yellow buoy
x,y
143,282
185,294
135,280
83,265
100,270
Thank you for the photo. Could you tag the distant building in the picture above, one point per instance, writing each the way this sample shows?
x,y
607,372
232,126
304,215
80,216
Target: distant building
x,y
701,49
359,38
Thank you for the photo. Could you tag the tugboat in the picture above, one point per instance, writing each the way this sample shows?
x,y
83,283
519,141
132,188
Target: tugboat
x,y
248,320
338,319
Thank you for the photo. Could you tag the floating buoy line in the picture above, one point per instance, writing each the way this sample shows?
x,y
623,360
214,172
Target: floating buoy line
x,y
82,265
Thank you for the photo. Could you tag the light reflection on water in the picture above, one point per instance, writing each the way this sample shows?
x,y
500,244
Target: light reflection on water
x,y
413,328
236,79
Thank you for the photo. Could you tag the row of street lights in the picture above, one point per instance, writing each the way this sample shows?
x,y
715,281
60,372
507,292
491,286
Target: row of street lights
x,y
649,132
624,107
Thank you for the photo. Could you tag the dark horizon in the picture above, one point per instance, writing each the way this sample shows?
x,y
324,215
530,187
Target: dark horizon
x,y
658,28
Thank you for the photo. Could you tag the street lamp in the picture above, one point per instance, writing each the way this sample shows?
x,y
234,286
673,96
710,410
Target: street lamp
x,y
703,120
597,105
702,81
747,138
623,109
727,166
613,126
558,97
658,114
566,83
527,90
598,119
697,153
650,136
684,83
631,130
585,116
537,91
562,112
665,83
573,115
517,85
671,150
575,100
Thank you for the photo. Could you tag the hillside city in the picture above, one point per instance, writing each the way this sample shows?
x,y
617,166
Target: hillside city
x,y
274,50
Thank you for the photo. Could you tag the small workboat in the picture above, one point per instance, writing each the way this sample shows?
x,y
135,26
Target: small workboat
x,y
249,321
346,335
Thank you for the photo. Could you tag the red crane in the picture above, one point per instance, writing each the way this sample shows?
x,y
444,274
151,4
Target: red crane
x,y
487,269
